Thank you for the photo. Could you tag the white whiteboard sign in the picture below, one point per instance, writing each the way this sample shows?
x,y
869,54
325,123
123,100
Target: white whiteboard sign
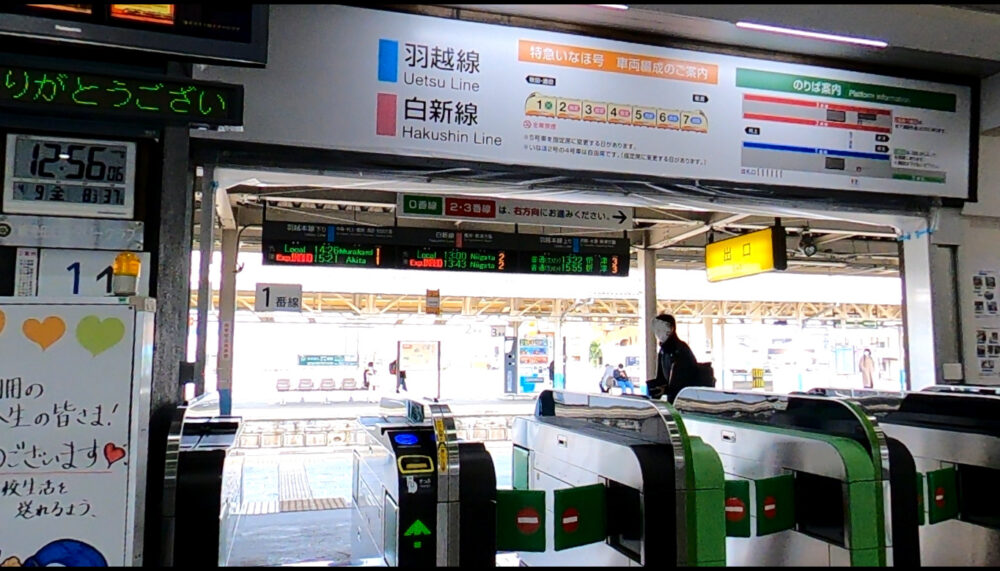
x,y
70,446
85,273
448,89
278,297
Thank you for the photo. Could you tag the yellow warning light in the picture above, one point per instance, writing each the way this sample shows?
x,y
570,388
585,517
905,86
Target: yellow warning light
x,y
127,264
125,273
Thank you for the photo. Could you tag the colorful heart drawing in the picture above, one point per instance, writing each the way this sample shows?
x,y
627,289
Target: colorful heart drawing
x,y
3,321
98,336
113,453
45,333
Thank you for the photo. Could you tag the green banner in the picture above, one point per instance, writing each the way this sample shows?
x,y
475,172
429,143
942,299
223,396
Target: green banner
x,y
775,504
521,520
738,508
579,516
422,204
825,87
942,495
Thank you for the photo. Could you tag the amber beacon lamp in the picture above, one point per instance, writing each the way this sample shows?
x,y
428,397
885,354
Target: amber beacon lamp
x,y
125,274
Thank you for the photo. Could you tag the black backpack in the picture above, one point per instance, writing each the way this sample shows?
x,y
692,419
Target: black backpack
x,y
706,375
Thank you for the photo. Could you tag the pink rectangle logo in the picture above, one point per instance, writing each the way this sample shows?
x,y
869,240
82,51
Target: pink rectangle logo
x,y
385,114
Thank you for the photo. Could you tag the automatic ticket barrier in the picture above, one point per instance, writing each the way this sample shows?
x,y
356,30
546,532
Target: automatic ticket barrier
x,y
807,480
953,435
421,497
620,483
201,490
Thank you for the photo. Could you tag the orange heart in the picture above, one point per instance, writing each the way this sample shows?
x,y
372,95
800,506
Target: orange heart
x,y
44,333
3,321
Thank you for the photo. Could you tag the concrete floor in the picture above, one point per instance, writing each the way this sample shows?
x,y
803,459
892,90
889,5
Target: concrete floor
x,y
269,534
298,537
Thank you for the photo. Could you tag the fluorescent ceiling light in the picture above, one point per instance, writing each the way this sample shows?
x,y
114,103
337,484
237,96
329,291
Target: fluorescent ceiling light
x,y
813,35
613,6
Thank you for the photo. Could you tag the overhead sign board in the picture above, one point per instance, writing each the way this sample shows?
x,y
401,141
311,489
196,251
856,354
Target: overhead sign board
x,y
311,244
529,212
449,89
746,255
278,297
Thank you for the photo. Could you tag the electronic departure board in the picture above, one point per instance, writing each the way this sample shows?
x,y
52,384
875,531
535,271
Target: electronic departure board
x,y
235,34
326,245
309,244
157,98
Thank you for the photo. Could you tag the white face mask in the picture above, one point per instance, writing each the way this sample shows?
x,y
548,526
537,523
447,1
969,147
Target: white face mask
x,y
662,330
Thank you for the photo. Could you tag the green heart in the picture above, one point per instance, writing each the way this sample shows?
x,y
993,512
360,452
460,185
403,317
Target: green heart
x,y
98,336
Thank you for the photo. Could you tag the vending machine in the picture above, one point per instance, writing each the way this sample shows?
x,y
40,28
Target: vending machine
x,y
74,414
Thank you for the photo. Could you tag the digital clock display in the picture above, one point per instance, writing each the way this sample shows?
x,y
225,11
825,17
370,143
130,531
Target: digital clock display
x,y
57,175
77,194
453,259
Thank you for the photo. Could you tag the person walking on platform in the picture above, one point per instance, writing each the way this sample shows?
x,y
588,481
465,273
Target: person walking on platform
x,y
867,367
400,376
607,378
368,377
676,366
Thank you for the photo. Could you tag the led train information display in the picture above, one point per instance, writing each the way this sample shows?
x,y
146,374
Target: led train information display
x,y
290,243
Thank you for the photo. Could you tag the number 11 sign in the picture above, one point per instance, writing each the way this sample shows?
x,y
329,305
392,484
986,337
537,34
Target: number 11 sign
x,y
86,273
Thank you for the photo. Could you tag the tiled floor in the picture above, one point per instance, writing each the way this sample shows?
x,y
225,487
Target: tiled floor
x,y
294,506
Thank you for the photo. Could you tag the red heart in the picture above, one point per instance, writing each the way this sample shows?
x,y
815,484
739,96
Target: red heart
x,y
113,453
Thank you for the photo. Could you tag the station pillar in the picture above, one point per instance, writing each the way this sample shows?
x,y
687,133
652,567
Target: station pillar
x,y
227,314
647,311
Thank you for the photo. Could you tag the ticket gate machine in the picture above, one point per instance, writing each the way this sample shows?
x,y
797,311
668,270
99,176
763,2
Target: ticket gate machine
x,y
421,497
953,435
659,492
821,471
973,389
201,490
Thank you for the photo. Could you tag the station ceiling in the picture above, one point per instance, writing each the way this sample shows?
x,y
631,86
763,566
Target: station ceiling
x,y
679,234
943,39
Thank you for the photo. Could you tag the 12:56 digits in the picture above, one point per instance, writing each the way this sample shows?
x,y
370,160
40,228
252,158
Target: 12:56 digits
x,y
91,169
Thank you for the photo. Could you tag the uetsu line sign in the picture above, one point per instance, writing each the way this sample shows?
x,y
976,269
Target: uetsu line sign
x,y
530,212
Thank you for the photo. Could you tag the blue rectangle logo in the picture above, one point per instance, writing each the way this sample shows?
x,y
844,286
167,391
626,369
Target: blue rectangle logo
x,y
331,233
388,60
576,245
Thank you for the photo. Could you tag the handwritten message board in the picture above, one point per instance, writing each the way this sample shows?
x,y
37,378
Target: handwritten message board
x,y
70,428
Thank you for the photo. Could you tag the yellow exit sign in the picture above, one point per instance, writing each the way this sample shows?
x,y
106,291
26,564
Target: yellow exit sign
x,y
746,255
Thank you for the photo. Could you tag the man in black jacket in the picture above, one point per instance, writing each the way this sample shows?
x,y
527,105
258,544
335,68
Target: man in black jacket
x,y
676,366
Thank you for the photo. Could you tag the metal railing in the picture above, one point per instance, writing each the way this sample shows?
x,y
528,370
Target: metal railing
x,y
344,433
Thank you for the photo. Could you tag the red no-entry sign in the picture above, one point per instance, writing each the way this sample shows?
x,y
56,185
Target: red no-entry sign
x,y
736,510
570,520
770,507
528,520
939,497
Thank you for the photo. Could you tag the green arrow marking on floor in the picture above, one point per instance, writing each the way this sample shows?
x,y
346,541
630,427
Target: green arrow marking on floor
x,y
418,528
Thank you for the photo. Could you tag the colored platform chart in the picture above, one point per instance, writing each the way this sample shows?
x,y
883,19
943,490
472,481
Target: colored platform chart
x,y
807,132
541,105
